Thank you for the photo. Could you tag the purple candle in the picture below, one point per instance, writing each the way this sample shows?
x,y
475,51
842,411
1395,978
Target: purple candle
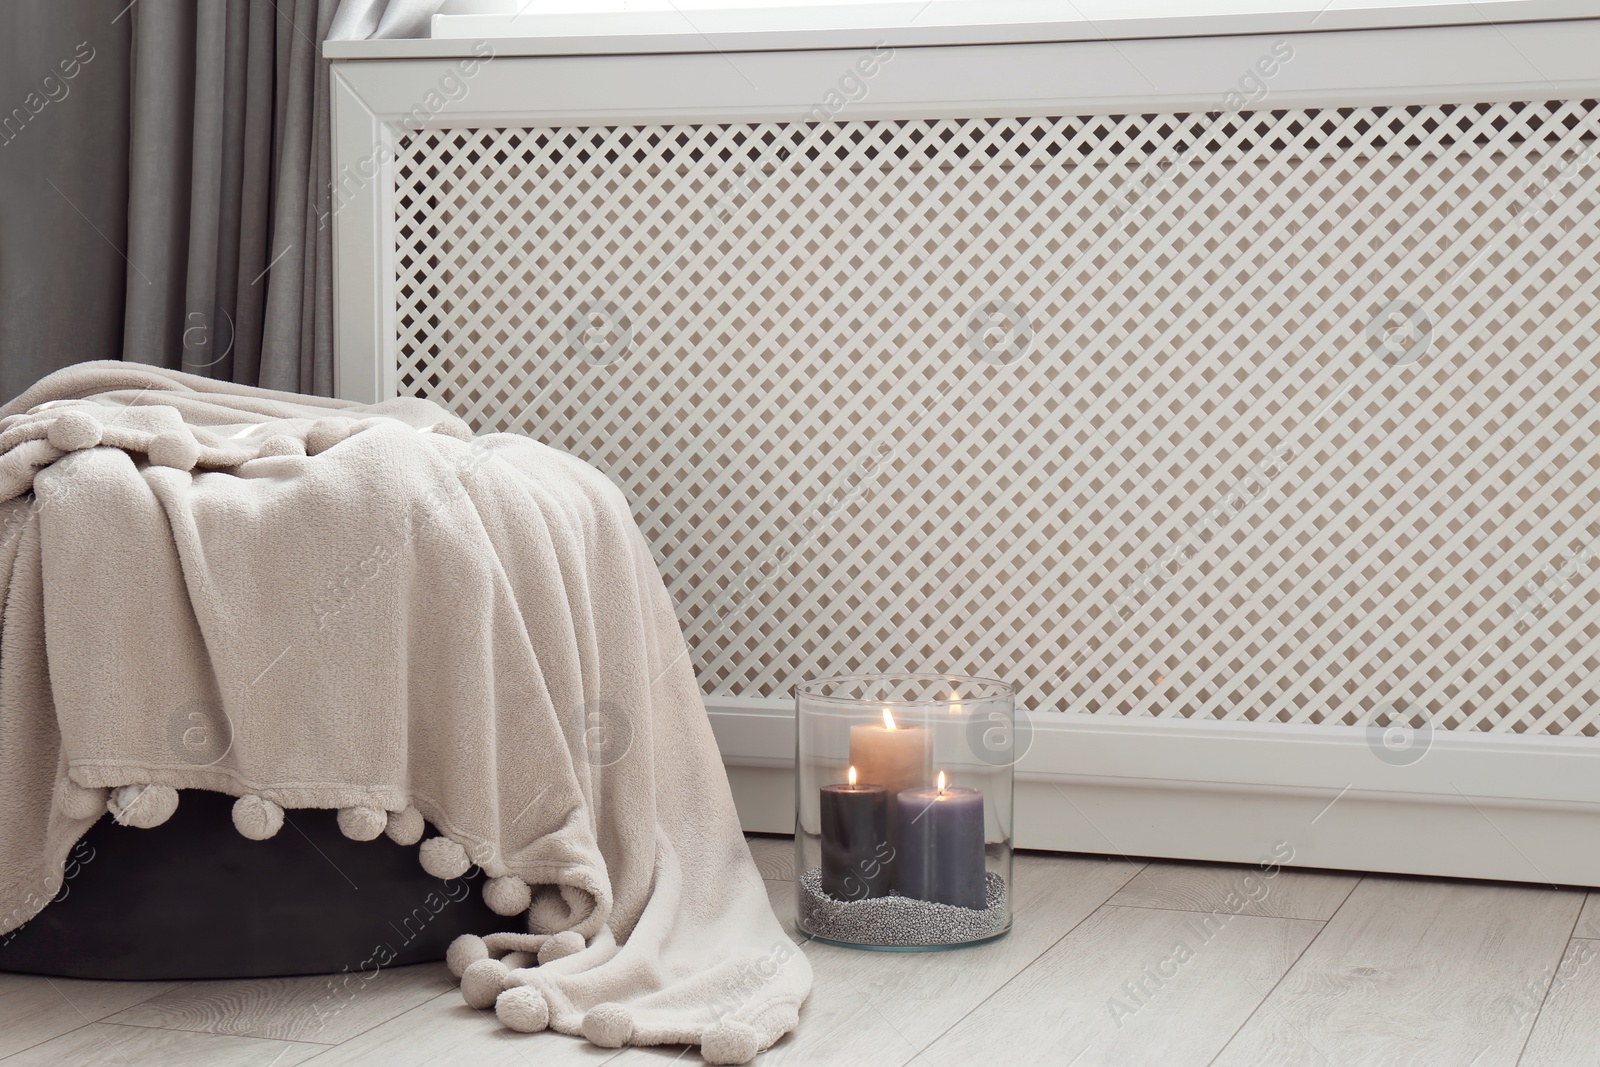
x,y
941,845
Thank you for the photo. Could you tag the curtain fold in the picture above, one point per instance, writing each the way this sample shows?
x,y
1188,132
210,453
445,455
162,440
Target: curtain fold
x,y
224,175
299,311
64,137
160,150
257,167
169,203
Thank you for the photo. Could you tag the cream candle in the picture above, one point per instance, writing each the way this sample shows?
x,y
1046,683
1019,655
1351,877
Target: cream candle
x,y
896,757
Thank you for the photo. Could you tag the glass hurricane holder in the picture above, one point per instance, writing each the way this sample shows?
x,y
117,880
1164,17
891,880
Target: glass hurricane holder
x,y
903,813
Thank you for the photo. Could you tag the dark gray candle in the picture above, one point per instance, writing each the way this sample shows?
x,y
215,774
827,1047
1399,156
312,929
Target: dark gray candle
x,y
855,840
941,845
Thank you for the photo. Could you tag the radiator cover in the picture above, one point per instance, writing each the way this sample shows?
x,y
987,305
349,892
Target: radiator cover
x,y
1286,415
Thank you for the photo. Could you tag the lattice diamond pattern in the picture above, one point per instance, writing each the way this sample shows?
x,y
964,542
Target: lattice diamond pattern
x,y
1285,415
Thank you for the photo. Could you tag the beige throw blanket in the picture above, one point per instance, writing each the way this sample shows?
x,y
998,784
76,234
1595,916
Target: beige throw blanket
x,y
302,602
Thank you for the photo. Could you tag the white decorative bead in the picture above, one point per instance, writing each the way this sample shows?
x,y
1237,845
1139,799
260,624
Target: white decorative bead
x,y
363,823
325,433
75,430
177,450
523,1009
443,858
463,952
730,1041
142,806
507,896
608,1025
405,827
482,982
257,817
80,802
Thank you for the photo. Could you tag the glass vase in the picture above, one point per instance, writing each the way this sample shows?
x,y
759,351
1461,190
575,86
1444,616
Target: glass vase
x,y
904,788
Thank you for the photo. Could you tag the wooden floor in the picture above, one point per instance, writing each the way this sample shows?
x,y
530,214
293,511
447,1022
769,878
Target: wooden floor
x,y
1112,962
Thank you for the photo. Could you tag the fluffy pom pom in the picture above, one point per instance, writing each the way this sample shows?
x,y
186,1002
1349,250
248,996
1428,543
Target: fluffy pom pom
x,y
281,444
730,1041
560,946
79,802
257,817
523,1009
443,858
507,896
482,982
177,450
325,433
142,806
463,952
75,430
608,1025
363,823
405,827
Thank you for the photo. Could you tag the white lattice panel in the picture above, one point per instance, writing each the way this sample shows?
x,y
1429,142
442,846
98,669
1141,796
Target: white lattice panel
x,y
1286,415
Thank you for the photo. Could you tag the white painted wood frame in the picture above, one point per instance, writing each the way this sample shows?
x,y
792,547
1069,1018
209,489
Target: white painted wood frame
x,y
1474,805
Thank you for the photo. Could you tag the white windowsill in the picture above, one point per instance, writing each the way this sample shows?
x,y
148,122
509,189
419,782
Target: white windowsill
x,y
698,26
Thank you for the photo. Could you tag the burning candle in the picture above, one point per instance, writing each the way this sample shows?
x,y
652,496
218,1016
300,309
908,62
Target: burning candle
x,y
895,757
855,840
941,845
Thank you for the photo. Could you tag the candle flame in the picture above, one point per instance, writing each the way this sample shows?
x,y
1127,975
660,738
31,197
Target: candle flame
x,y
941,781
852,774
888,720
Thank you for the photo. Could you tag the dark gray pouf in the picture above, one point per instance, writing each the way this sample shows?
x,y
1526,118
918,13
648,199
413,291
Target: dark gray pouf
x,y
192,898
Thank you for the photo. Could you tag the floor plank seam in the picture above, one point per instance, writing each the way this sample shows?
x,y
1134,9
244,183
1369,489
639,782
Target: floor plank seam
x,y
87,1021
915,1051
112,1045
1353,883
1354,964
448,987
1286,972
1353,887
17,1052
1020,971
1549,987
1214,911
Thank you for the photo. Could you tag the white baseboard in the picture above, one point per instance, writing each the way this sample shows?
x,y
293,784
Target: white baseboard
x,y
1474,805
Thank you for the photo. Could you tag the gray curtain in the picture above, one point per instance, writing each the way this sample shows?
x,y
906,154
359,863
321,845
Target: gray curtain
x,y
161,202
141,211
63,186
226,179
